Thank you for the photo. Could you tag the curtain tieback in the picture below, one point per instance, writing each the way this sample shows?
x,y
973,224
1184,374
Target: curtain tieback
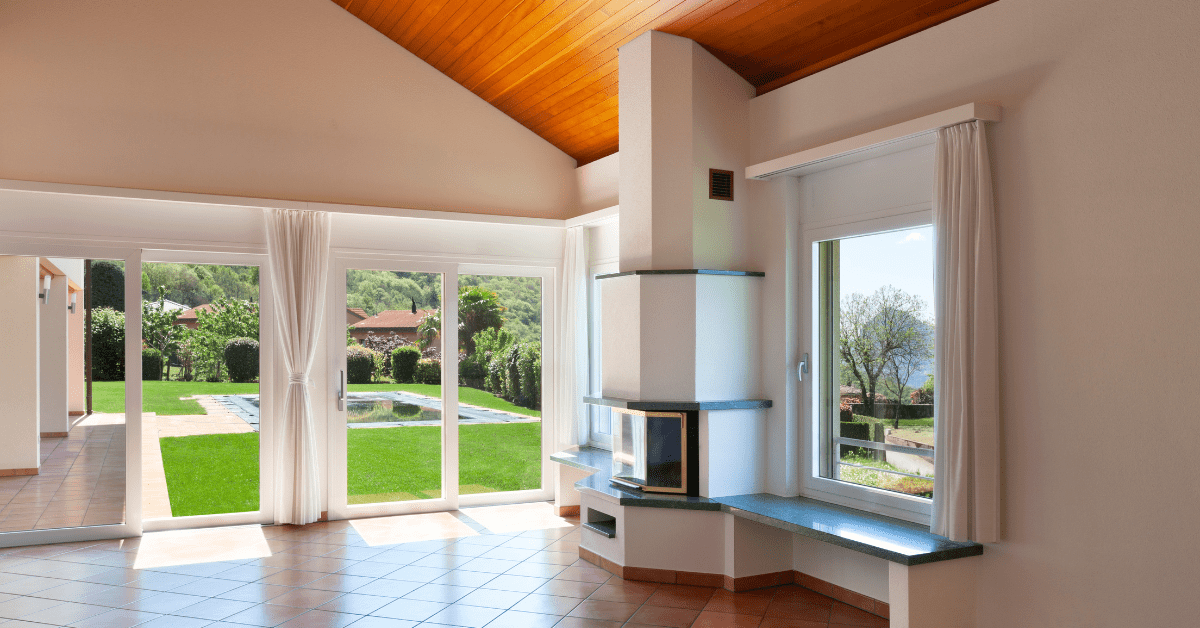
x,y
298,378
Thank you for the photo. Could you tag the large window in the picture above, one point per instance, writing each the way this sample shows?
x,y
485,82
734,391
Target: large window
x,y
600,418
874,322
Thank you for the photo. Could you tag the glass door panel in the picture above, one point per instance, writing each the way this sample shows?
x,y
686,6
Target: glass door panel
x,y
63,455
393,386
500,391
201,389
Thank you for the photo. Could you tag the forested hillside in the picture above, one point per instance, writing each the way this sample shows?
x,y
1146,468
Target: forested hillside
x,y
197,284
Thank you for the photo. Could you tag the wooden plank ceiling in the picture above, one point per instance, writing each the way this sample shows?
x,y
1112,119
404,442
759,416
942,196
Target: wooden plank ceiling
x,y
552,65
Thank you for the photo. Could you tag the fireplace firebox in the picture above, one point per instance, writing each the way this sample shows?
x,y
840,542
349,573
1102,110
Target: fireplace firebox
x,y
656,452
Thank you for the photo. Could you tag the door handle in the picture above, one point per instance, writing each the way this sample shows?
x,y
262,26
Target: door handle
x,y
341,395
802,368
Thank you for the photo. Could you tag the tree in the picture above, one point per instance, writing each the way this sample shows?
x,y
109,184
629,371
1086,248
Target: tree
x,y
159,330
429,329
228,319
108,285
910,358
875,330
478,309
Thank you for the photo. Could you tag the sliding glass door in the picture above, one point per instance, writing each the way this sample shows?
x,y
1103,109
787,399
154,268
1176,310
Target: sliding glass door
x,y
439,378
206,390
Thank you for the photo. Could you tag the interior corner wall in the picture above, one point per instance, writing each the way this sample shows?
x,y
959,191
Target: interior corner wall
x,y
280,99
1093,165
599,184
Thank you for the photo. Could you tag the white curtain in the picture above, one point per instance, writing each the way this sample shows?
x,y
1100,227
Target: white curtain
x,y
966,504
572,359
298,248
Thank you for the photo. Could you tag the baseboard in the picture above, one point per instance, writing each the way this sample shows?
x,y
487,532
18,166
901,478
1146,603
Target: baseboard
x,y
4,473
55,434
744,583
74,413
568,511
843,595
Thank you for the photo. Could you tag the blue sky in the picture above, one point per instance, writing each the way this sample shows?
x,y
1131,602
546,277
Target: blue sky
x,y
903,259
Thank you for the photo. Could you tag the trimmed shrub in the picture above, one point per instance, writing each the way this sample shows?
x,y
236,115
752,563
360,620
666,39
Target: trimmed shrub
x,y
529,371
108,286
472,372
428,372
108,345
360,365
152,365
404,363
241,358
859,431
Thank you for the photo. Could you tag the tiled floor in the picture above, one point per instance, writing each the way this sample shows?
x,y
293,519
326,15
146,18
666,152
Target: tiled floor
x,y
81,480
443,569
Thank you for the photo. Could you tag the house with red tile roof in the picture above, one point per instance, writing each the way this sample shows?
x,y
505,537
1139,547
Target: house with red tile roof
x,y
401,322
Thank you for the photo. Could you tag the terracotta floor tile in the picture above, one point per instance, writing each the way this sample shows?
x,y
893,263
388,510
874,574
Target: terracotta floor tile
x,y
676,596
844,614
712,619
664,616
601,609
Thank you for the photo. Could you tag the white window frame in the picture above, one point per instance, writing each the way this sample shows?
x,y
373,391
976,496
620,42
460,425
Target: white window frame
x,y
915,509
596,438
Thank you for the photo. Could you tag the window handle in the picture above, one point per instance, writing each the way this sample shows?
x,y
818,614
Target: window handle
x,y
802,368
341,398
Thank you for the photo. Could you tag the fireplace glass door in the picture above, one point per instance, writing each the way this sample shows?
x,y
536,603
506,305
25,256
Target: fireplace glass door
x,y
648,450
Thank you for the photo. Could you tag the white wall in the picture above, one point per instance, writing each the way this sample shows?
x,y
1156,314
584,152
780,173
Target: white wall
x,y
19,364
1094,165
284,99
53,353
599,183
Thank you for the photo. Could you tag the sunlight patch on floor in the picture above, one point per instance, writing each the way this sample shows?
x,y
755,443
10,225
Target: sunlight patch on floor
x,y
210,545
411,528
517,517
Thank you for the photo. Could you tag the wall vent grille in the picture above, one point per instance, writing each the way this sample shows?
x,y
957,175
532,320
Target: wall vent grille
x,y
720,184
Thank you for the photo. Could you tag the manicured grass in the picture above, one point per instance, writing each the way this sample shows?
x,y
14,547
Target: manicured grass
x,y
916,434
876,476
218,473
212,473
163,398
466,394
404,463
890,422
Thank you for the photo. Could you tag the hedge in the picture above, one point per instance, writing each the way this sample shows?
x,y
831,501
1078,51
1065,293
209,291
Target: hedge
x,y
428,371
360,365
241,358
108,345
859,431
152,365
404,363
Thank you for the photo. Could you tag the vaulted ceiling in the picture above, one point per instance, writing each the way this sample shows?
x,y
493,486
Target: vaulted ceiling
x,y
552,65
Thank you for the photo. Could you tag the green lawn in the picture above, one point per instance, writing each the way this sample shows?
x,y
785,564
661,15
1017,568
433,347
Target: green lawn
x,y
212,473
218,473
163,398
473,396
404,463
876,476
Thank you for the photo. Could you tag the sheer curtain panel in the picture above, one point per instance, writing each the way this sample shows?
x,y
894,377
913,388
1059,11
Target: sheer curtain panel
x,y
298,249
966,502
572,360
